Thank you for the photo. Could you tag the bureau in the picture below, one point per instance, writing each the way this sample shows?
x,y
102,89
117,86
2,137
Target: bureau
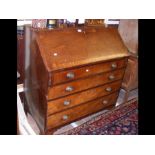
x,y
71,73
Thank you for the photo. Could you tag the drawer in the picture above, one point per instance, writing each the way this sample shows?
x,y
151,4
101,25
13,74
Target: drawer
x,y
79,98
73,74
75,113
83,84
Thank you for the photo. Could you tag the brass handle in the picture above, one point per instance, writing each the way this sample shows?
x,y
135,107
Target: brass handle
x,y
105,102
69,88
114,65
66,102
111,77
108,89
70,75
64,117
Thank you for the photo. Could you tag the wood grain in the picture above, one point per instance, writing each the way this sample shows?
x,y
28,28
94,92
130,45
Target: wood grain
x,y
83,84
79,98
130,80
128,29
73,49
81,72
80,111
51,54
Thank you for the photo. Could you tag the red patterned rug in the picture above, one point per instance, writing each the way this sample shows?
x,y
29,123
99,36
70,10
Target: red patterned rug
x,y
122,120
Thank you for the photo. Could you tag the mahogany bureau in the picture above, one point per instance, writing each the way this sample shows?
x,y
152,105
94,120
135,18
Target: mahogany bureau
x,y
72,73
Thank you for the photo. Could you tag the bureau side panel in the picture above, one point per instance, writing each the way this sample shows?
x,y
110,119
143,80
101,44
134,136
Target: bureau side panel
x,y
36,82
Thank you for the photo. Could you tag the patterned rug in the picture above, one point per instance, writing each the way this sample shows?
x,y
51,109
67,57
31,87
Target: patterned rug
x,y
122,120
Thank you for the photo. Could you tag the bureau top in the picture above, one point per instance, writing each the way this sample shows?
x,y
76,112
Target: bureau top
x,y
61,49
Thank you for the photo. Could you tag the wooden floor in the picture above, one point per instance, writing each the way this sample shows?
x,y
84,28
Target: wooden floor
x,y
133,94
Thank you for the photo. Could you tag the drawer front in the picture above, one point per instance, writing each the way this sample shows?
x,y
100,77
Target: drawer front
x,y
79,98
75,113
65,76
83,84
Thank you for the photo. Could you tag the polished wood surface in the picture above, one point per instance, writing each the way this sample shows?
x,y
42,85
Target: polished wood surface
x,y
36,81
96,56
128,29
80,111
79,48
130,80
82,97
61,76
83,84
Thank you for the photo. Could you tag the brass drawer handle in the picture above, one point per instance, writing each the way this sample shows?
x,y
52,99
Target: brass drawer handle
x,y
111,77
66,102
114,65
69,88
105,102
108,89
70,75
64,117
